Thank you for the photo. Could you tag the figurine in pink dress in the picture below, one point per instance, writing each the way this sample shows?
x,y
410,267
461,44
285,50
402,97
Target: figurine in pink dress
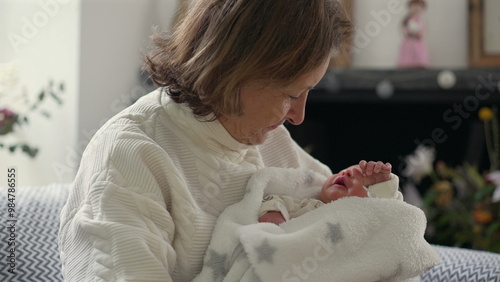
x,y
413,52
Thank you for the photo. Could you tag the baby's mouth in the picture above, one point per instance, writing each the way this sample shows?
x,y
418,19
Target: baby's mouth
x,y
339,181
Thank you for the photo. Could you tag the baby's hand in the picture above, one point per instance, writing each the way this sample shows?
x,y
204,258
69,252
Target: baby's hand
x,y
373,172
272,217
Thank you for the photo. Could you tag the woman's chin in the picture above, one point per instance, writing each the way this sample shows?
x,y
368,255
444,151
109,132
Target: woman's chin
x,y
334,192
257,139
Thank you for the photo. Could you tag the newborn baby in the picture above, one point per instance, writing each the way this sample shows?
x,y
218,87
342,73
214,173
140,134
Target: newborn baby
x,y
366,179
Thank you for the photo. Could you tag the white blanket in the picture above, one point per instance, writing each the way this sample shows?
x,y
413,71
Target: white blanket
x,y
351,239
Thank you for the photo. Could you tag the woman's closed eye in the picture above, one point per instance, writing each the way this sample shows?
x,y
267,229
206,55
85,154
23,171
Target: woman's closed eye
x,y
296,97
292,96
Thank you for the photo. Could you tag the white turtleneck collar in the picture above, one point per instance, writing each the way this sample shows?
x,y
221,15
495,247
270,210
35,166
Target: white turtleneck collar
x,y
210,133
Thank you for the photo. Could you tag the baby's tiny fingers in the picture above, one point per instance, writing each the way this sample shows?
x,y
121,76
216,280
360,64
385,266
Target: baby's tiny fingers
x,y
387,167
383,168
357,172
378,167
362,165
370,168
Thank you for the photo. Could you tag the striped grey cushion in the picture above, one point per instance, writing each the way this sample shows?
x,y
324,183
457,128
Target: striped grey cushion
x,y
463,265
37,254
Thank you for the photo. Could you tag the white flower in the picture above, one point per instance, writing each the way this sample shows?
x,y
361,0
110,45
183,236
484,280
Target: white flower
x,y
494,177
420,163
496,195
8,75
11,92
8,79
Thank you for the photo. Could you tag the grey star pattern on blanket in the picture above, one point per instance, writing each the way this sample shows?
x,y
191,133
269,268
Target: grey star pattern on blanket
x,y
256,276
265,252
217,262
309,178
334,233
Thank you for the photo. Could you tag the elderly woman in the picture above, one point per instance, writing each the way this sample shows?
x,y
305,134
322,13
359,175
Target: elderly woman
x,y
155,177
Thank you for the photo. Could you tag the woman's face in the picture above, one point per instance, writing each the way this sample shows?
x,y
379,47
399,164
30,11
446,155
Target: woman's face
x,y
265,107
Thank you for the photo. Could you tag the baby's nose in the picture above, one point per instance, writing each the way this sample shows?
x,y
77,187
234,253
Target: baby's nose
x,y
348,173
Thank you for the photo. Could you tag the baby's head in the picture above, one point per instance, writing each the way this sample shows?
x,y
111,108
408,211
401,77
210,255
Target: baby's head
x,y
343,184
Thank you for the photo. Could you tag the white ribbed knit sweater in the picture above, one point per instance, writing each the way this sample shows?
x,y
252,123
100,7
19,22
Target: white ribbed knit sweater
x,y
150,186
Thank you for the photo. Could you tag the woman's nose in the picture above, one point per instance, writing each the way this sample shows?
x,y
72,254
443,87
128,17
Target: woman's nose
x,y
297,111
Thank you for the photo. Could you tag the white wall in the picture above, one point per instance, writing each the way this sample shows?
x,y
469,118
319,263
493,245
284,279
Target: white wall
x,y
42,39
95,47
114,35
378,33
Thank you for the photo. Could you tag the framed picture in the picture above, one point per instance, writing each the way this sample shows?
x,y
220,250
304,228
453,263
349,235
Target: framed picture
x,y
484,33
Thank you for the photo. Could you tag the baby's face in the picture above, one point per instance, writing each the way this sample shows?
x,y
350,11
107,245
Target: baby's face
x,y
344,184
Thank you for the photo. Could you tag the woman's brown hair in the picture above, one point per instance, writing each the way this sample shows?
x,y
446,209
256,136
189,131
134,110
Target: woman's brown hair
x,y
221,45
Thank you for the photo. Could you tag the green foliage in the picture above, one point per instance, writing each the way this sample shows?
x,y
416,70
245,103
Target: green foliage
x,y
9,120
463,204
460,210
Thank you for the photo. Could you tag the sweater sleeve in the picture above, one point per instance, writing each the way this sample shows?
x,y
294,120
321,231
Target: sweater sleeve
x,y
118,235
388,189
116,225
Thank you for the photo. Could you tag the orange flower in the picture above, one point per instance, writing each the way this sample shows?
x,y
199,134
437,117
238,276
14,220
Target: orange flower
x,y
445,191
485,114
483,216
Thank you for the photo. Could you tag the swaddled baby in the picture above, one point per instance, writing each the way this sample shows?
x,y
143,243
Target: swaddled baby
x,y
366,179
